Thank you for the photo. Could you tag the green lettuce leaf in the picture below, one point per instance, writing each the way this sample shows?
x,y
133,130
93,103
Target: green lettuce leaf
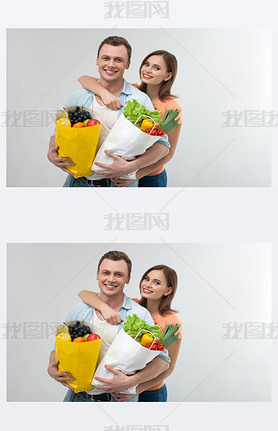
x,y
133,110
133,325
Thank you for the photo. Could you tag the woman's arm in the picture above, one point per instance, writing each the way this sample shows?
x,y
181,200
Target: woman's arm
x,y
92,84
91,298
173,352
173,137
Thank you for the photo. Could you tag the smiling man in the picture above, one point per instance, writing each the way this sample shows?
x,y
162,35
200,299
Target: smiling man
x,y
113,274
113,58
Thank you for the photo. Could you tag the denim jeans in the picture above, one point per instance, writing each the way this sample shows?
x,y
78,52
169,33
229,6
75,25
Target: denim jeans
x,y
84,182
158,395
84,397
159,180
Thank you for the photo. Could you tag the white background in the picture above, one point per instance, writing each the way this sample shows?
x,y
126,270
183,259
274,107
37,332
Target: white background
x,y
197,215
218,70
217,284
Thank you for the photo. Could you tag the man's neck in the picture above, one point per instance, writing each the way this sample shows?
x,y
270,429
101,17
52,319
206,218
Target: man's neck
x,y
114,302
114,87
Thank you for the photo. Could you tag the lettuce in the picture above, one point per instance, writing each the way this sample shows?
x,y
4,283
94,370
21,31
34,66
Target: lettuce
x,y
133,325
133,110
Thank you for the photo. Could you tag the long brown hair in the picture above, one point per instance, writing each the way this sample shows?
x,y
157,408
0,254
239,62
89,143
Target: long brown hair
x,y
172,66
172,281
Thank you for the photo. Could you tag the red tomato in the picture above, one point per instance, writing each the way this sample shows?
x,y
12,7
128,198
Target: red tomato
x,y
153,132
154,347
160,132
160,347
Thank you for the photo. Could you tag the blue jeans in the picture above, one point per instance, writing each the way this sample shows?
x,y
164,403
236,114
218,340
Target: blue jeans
x,y
158,395
159,180
84,397
84,182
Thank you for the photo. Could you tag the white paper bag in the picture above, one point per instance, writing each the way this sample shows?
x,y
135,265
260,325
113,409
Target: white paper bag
x,y
126,140
124,354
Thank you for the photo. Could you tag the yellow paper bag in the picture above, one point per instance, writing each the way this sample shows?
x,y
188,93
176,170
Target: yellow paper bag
x,y
80,360
79,144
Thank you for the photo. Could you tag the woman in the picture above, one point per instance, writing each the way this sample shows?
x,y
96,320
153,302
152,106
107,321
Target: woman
x,y
157,73
158,286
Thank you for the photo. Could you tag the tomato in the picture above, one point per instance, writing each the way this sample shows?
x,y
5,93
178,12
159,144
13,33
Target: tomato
x,y
154,347
160,347
153,132
160,132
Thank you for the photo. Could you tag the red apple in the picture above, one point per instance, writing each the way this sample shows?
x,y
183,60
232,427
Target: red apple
x,y
93,122
93,337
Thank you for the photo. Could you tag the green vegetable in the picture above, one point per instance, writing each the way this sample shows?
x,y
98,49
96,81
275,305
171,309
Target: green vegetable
x,y
133,325
133,110
168,122
168,337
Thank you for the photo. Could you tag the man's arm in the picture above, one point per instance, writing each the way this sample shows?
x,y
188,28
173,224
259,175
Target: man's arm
x,y
57,375
60,162
121,167
121,381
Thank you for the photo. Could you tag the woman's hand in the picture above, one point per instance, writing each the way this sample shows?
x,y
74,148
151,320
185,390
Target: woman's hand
x,y
120,182
121,397
110,315
109,100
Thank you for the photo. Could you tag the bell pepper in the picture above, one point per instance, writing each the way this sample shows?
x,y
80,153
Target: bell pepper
x,y
146,339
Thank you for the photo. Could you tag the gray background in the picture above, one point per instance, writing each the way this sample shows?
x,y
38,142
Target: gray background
x,y
219,70
218,283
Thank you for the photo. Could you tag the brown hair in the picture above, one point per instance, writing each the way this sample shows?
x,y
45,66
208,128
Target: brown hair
x,y
172,281
172,66
116,41
116,256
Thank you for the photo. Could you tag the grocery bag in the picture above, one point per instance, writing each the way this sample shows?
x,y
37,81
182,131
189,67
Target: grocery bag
x,y
124,354
79,144
79,359
126,140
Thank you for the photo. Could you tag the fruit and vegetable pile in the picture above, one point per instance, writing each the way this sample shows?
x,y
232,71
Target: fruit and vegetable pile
x,y
150,121
79,333
150,336
77,118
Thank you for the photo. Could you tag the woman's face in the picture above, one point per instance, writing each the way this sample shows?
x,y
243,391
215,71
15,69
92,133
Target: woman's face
x,y
154,71
154,286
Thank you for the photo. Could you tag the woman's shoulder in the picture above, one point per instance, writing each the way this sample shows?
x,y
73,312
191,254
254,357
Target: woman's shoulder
x,y
136,300
171,103
172,318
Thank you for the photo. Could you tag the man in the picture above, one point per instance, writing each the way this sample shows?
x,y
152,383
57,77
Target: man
x,y
113,58
113,273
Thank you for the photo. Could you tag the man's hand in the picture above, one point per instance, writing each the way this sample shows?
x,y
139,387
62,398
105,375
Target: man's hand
x,y
116,169
60,162
118,383
57,375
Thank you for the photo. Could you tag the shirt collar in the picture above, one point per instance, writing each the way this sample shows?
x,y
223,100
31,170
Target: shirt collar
x,y
127,88
126,303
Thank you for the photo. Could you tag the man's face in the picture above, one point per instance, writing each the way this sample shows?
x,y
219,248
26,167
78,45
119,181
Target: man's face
x,y
112,277
112,62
